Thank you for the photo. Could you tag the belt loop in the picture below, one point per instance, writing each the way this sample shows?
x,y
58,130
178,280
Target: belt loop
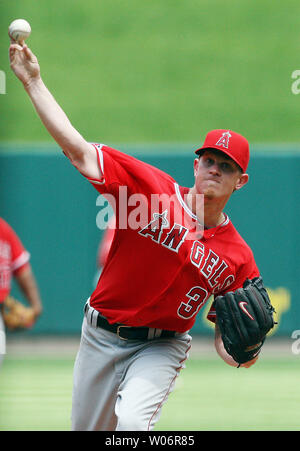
x,y
157,333
151,333
86,306
94,317
91,314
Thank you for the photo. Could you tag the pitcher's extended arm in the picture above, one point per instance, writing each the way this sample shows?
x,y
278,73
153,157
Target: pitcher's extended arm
x,y
81,153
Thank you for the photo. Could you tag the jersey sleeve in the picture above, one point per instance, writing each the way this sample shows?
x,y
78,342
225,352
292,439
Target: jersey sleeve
x,y
247,271
19,255
119,169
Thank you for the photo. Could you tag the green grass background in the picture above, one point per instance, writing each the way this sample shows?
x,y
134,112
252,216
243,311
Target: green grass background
x,y
159,71
35,395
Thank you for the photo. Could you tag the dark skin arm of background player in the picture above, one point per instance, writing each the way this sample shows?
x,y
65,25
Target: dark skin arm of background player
x,y
29,288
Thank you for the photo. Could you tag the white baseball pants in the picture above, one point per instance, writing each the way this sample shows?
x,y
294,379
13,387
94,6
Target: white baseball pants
x,y
122,384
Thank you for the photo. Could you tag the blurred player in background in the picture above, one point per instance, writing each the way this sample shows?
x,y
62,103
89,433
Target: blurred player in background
x,y
14,263
135,335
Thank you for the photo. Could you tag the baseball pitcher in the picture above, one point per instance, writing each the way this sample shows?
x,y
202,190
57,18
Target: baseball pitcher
x,y
173,247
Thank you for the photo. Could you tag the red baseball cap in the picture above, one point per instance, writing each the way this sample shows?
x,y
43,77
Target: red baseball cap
x,y
231,143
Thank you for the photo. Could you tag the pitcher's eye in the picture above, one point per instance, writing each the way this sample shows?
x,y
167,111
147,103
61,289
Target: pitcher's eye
x,y
208,161
226,167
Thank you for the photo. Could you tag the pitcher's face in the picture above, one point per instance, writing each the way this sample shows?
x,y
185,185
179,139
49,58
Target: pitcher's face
x,y
217,176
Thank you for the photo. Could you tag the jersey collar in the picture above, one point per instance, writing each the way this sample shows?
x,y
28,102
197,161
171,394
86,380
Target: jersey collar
x,y
208,232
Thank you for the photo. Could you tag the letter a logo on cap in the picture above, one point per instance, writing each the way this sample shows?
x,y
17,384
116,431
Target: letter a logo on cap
x,y
224,140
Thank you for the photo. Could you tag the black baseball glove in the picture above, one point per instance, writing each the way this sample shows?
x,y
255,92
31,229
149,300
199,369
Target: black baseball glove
x,y
244,317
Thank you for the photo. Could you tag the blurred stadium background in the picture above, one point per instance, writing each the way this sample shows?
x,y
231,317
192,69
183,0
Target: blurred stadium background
x,y
151,78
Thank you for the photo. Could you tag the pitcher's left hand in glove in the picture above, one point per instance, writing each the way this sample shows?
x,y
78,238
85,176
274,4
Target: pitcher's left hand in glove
x,y
244,317
16,315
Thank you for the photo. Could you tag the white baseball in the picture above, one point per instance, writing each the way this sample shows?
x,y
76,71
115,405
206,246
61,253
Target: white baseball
x,y
19,30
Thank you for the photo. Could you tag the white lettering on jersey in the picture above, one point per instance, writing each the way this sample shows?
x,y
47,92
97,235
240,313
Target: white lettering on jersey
x,y
175,237
210,262
197,253
5,250
155,228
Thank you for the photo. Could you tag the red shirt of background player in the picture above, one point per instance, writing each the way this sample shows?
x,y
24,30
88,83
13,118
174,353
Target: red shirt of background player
x,y
13,258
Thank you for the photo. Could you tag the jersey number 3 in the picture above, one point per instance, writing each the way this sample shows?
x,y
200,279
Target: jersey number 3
x,y
196,298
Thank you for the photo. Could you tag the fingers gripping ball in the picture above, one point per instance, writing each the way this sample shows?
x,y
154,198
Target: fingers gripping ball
x,y
19,30
16,315
244,318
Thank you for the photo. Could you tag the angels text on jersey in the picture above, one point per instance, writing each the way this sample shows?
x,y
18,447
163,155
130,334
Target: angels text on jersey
x,y
214,270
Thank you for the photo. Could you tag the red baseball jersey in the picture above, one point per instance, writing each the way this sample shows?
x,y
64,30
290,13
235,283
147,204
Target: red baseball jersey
x,y
160,270
13,257
105,243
